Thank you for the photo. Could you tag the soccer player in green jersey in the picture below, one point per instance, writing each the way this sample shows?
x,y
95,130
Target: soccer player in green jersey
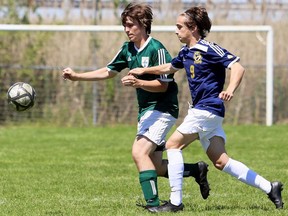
x,y
157,100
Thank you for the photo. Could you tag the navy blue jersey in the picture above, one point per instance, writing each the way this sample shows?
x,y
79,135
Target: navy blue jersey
x,y
205,65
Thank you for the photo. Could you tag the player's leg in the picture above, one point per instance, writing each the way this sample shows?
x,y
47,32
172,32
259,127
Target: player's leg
x,y
217,154
159,162
186,133
141,150
197,170
152,129
190,169
174,145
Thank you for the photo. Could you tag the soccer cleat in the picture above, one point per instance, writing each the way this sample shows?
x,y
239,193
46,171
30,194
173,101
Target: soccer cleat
x,y
202,179
275,194
166,207
147,207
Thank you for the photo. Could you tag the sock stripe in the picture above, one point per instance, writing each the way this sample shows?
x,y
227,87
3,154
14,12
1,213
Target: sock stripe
x,y
153,187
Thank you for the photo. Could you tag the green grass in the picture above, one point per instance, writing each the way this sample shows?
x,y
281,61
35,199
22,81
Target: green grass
x,y
89,171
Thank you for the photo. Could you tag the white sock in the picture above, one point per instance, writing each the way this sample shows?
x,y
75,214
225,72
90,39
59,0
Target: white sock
x,y
175,172
244,174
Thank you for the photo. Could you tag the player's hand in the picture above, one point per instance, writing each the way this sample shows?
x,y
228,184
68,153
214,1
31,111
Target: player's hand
x,y
226,96
136,71
68,73
132,81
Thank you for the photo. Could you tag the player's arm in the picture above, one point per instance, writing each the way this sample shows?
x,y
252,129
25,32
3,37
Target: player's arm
x,y
158,70
237,73
147,85
100,74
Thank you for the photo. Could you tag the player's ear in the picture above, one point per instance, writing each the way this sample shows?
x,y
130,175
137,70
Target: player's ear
x,y
194,29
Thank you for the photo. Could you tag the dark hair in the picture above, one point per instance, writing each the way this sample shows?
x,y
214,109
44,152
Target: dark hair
x,y
140,12
198,16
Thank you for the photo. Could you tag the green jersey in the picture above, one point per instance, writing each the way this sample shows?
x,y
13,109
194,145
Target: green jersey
x,y
153,53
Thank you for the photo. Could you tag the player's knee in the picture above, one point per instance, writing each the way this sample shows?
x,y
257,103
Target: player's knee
x,y
139,156
136,155
172,145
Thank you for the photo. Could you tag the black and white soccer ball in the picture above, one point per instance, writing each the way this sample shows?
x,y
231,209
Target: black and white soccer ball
x,y
21,96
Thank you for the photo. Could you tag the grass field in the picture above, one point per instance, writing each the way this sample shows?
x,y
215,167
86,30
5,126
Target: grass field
x,y
89,171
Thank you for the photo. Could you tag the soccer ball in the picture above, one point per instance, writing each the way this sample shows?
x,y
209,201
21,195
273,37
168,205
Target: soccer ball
x,y
21,96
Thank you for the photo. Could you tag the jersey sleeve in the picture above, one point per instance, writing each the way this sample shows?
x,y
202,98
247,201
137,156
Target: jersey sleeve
x,y
223,56
177,62
119,62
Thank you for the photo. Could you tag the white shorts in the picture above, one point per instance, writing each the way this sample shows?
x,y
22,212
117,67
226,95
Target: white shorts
x,y
204,123
155,125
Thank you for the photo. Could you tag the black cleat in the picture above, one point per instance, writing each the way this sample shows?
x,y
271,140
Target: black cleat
x,y
275,194
166,207
202,179
147,207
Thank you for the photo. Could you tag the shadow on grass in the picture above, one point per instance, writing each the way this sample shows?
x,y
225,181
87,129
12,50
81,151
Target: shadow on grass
x,y
231,207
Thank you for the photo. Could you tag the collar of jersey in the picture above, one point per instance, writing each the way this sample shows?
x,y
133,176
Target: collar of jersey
x,y
199,47
144,45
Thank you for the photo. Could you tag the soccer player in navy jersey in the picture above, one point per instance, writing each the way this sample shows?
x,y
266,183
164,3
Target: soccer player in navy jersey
x,y
205,64
157,100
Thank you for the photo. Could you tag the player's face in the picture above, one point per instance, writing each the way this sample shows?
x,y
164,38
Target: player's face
x,y
183,33
133,30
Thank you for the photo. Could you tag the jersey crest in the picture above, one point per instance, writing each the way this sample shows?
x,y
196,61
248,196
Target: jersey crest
x,y
145,62
197,57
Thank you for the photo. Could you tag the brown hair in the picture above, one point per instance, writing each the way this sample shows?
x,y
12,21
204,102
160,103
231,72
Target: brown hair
x,y
140,12
198,16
